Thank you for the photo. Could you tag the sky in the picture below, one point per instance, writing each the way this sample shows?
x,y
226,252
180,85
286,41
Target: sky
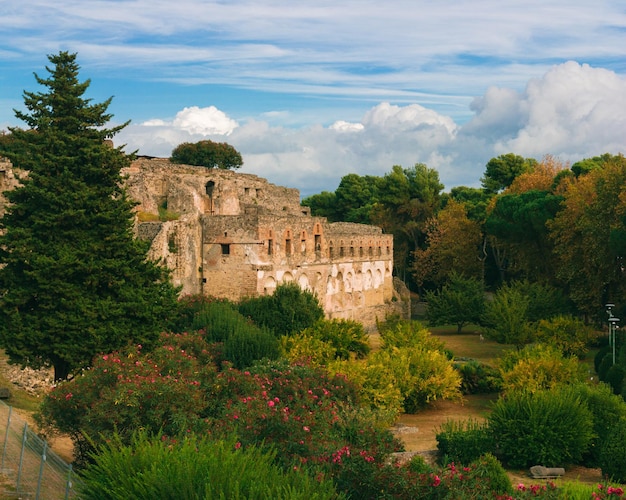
x,y
309,91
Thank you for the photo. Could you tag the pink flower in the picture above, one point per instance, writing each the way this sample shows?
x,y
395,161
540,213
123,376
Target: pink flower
x,y
68,396
270,403
306,428
436,481
237,445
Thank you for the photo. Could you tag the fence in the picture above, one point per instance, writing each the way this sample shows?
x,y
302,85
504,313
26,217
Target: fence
x,y
29,468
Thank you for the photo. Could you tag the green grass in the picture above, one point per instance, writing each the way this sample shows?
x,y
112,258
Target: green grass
x,y
468,344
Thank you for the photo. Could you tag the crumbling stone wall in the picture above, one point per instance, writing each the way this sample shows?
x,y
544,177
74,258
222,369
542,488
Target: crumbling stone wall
x,y
237,235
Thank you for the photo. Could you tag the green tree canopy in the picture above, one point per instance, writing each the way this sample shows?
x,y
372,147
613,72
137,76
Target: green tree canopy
x,y
207,154
73,280
501,171
461,301
520,222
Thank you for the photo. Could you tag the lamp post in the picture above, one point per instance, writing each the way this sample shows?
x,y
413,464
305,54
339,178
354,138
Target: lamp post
x,y
612,331
609,312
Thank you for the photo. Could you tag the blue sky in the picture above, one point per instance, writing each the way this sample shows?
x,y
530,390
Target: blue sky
x,y
309,91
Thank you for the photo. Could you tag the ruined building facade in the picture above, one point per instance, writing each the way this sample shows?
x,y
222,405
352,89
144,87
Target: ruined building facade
x,y
235,235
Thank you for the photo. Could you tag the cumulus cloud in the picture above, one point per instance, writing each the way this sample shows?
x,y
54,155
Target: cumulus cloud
x,y
573,111
204,121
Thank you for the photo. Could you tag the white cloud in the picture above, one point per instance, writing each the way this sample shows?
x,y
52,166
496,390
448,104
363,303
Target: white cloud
x,y
344,126
574,111
204,121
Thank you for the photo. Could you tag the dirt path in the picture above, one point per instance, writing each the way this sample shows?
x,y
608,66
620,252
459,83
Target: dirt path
x,y
418,432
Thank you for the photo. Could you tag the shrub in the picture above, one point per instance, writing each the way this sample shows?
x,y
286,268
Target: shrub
x,y
401,334
489,476
289,310
548,427
605,365
163,390
193,467
544,301
347,337
219,319
302,348
246,346
615,378
463,442
569,335
505,317
600,355
421,375
538,367
375,380
478,378
607,410
612,459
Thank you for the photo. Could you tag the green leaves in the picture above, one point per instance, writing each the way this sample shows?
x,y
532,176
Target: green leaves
x,y
73,281
207,154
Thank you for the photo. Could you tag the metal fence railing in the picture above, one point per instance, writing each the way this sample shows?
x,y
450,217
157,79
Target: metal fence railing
x,y
29,468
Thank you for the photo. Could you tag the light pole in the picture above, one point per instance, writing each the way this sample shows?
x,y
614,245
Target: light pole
x,y
612,330
609,311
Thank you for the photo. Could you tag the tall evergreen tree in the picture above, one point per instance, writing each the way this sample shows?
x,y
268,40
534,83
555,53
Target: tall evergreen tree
x,y
74,282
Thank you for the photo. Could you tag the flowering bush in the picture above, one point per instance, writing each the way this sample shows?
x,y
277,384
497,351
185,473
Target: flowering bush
x,y
165,389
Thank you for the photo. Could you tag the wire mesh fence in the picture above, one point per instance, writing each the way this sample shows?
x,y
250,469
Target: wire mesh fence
x,y
29,468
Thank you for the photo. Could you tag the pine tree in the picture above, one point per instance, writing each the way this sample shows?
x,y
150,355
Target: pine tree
x,y
74,282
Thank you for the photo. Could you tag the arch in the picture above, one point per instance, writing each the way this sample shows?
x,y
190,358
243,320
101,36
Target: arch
x,y
368,280
340,284
287,277
303,282
209,187
348,282
378,278
269,285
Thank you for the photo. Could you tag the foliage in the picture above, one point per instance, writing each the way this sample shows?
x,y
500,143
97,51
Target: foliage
x,y
163,390
460,301
544,301
615,378
519,220
538,367
208,154
549,427
408,199
612,459
592,216
251,344
422,375
478,378
453,246
408,334
375,381
462,442
500,172
326,340
304,348
347,337
73,280
243,341
607,409
323,204
289,310
193,467
505,317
